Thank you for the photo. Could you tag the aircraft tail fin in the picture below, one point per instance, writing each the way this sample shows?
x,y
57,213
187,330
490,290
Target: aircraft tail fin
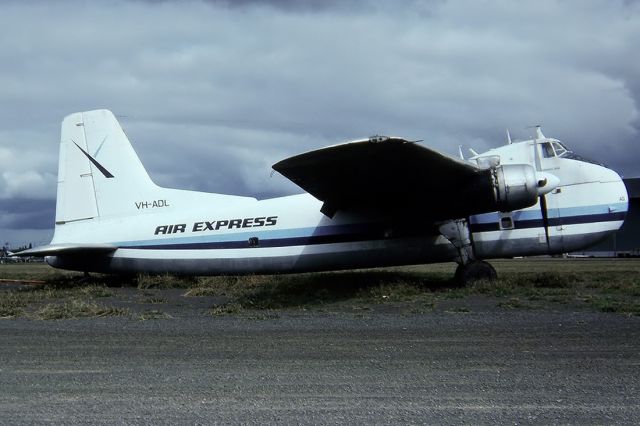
x,y
99,173
100,177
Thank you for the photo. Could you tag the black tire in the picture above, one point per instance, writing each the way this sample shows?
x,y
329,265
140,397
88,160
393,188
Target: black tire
x,y
475,270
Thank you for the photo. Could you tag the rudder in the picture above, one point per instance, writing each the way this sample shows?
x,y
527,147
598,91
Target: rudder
x,y
99,172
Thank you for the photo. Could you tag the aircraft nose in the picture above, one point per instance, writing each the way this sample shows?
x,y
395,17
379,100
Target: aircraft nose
x,y
615,191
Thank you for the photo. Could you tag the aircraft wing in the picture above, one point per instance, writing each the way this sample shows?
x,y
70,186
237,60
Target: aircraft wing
x,y
385,174
66,249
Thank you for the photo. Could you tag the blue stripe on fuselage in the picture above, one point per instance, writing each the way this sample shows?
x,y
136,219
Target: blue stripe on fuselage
x,y
332,234
563,216
262,234
532,214
286,237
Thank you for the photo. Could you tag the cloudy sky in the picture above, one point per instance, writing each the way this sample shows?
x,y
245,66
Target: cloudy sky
x,y
212,93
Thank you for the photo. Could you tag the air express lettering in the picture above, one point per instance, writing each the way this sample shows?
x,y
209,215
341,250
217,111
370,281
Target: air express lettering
x,y
216,225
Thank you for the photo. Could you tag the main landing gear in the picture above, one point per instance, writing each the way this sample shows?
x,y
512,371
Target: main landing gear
x,y
474,270
469,268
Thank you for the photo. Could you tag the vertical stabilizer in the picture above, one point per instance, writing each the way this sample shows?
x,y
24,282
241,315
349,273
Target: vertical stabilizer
x,y
99,173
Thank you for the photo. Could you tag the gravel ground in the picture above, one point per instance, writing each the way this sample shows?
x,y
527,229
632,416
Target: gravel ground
x,y
489,365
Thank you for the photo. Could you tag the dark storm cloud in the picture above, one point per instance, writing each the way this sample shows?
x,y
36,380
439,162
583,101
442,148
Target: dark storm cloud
x,y
214,92
23,213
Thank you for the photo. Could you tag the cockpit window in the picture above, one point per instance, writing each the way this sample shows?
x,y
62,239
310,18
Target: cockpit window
x,y
554,149
560,149
547,150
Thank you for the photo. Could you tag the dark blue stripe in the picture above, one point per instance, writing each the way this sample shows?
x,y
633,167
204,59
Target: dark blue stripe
x,y
553,221
275,242
371,234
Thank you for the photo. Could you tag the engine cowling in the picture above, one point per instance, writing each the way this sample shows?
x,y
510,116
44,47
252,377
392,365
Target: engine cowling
x,y
515,186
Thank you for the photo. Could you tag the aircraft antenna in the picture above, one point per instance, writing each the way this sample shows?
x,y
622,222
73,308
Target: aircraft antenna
x,y
460,152
508,138
539,134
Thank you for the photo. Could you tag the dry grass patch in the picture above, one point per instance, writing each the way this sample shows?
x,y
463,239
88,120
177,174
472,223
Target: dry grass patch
x,y
96,291
333,287
225,309
76,309
163,281
38,301
314,290
602,285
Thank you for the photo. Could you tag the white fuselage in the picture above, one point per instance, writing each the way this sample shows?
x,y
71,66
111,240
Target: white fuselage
x,y
290,234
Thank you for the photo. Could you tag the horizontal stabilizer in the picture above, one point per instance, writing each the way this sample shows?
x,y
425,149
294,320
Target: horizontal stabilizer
x,y
67,249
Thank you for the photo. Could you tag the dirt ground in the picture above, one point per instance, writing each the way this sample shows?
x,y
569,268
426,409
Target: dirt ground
x,y
552,342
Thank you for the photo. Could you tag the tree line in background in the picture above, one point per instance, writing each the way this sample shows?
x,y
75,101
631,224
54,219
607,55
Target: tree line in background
x,y
6,249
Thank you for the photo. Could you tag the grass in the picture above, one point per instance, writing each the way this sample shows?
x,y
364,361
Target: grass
x,y
162,281
602,285
32,271
352,289
226,309
75,308
62,296
155,300
96,290
596,284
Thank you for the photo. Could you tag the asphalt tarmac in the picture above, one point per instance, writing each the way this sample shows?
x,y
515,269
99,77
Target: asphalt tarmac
x,y
490,365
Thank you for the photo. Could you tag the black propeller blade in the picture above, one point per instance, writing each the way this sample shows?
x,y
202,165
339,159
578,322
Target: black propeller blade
x,y
543,198
545,218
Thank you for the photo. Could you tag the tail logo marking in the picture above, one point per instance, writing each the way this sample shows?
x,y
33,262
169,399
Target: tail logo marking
x,y
100,167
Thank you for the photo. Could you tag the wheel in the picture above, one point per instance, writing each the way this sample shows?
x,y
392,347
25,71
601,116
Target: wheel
x,y
475,270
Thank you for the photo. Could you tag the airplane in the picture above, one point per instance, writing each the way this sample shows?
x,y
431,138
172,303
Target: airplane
x,y
375,202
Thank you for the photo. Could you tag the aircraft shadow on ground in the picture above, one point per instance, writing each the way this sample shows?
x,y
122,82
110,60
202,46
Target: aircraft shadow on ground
x,y
278,291
323,288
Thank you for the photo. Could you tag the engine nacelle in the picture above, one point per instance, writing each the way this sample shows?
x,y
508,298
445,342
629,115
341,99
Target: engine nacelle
x,y
515,186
